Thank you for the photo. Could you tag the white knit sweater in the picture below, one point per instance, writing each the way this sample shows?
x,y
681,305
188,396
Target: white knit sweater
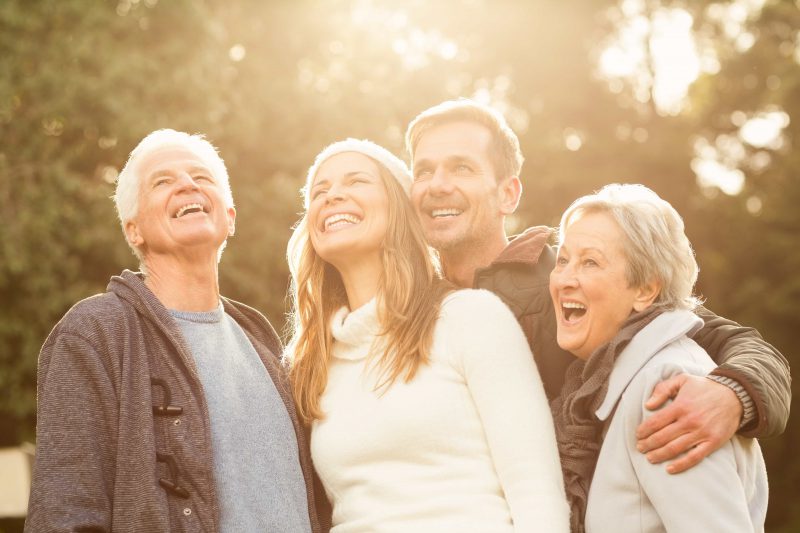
x,y
466,446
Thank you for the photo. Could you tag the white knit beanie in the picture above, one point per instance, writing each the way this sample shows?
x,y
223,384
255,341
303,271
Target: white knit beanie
x,y
394,164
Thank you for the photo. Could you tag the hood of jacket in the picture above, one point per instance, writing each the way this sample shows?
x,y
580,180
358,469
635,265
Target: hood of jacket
x,y
526,247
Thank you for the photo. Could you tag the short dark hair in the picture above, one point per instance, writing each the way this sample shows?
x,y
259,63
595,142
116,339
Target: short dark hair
x,y
505,152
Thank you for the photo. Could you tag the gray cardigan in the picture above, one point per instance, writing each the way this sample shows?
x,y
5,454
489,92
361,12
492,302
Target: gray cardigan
x,y
727,491
105,459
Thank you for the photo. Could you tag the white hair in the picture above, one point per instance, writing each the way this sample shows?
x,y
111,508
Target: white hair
x,y
126,196
655,243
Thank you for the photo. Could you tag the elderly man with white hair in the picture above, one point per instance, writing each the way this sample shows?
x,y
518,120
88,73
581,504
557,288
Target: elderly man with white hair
x,y
163,406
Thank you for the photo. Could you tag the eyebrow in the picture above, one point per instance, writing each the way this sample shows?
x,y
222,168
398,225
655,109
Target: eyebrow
x,y
450,159
326,181
170,172
582,251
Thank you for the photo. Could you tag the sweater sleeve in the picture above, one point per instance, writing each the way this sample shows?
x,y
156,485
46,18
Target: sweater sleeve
x,y
73,475
488,344
709,497
743,355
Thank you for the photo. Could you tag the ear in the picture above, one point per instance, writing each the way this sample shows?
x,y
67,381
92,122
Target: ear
x,y
510,192
135,238
231,221
646,295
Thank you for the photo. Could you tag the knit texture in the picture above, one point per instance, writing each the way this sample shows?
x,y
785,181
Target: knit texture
x,y
96,466
391,162
252,438
466,446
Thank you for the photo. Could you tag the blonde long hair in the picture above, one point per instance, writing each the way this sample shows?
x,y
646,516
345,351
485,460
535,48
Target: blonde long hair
x,y
409,297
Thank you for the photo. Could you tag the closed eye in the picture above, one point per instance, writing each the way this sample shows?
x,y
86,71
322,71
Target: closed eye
x,y
422,173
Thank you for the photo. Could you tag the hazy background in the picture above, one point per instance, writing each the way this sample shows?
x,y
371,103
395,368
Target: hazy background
x,y
698,100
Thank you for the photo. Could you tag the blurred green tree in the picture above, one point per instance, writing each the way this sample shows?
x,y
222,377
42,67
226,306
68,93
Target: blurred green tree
x,y
271,83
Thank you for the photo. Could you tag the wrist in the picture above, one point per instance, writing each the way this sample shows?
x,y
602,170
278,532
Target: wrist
x,y
748,406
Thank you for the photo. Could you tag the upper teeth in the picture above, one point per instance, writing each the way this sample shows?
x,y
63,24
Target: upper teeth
x,y
183,209
573,305
341,218
445,212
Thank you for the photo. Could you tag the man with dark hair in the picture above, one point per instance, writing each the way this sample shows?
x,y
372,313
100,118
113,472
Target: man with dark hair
x,y
466,163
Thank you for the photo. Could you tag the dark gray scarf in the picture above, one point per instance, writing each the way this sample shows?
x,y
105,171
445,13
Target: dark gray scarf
x,y
578,431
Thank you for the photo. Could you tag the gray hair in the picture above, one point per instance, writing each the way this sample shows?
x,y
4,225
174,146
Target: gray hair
x,y
126,197
504,150
655,244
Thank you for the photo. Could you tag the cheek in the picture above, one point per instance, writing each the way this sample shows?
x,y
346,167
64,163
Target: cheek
x,y
416,195
312,215
380,224
552,287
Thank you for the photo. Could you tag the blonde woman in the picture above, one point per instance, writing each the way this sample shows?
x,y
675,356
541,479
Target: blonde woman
x,y
425,407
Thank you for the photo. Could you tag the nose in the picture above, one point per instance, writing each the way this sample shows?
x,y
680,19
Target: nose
x,y
563,276
440,182
186,182
336,193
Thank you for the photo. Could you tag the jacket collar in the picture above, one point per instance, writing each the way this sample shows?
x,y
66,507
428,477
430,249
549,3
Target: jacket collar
x,y
525,248
663,330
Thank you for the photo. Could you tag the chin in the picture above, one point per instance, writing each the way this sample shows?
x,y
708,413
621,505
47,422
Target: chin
x,y
575,348
444,243
342,252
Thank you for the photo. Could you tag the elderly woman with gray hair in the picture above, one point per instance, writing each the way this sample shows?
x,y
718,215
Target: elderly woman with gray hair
x,y
622,290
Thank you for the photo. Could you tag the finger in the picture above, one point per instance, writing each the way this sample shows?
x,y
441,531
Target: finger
x,y
672,449
692,458
657,422
664,391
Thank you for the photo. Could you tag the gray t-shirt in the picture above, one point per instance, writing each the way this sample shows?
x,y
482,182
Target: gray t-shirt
x,y
256,464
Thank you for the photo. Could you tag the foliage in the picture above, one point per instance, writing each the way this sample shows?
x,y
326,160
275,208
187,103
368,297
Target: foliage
x,y
271,83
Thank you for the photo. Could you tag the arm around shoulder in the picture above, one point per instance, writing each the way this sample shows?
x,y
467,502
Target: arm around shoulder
x,y
741,354
712,496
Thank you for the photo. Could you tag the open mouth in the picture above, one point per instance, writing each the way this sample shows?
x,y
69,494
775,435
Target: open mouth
x,y
446,212
340,220
572,311
189,209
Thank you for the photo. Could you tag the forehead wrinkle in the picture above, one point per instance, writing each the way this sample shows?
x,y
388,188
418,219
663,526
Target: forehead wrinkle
x,y
580,249
459,158
448,159
326,181
169,170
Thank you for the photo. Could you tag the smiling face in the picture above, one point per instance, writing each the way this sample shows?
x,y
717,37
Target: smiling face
x,y
181,206
348,210
589,285
456,192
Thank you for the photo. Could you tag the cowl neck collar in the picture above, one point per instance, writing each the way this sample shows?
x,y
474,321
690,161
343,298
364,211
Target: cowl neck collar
x,y
355,331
